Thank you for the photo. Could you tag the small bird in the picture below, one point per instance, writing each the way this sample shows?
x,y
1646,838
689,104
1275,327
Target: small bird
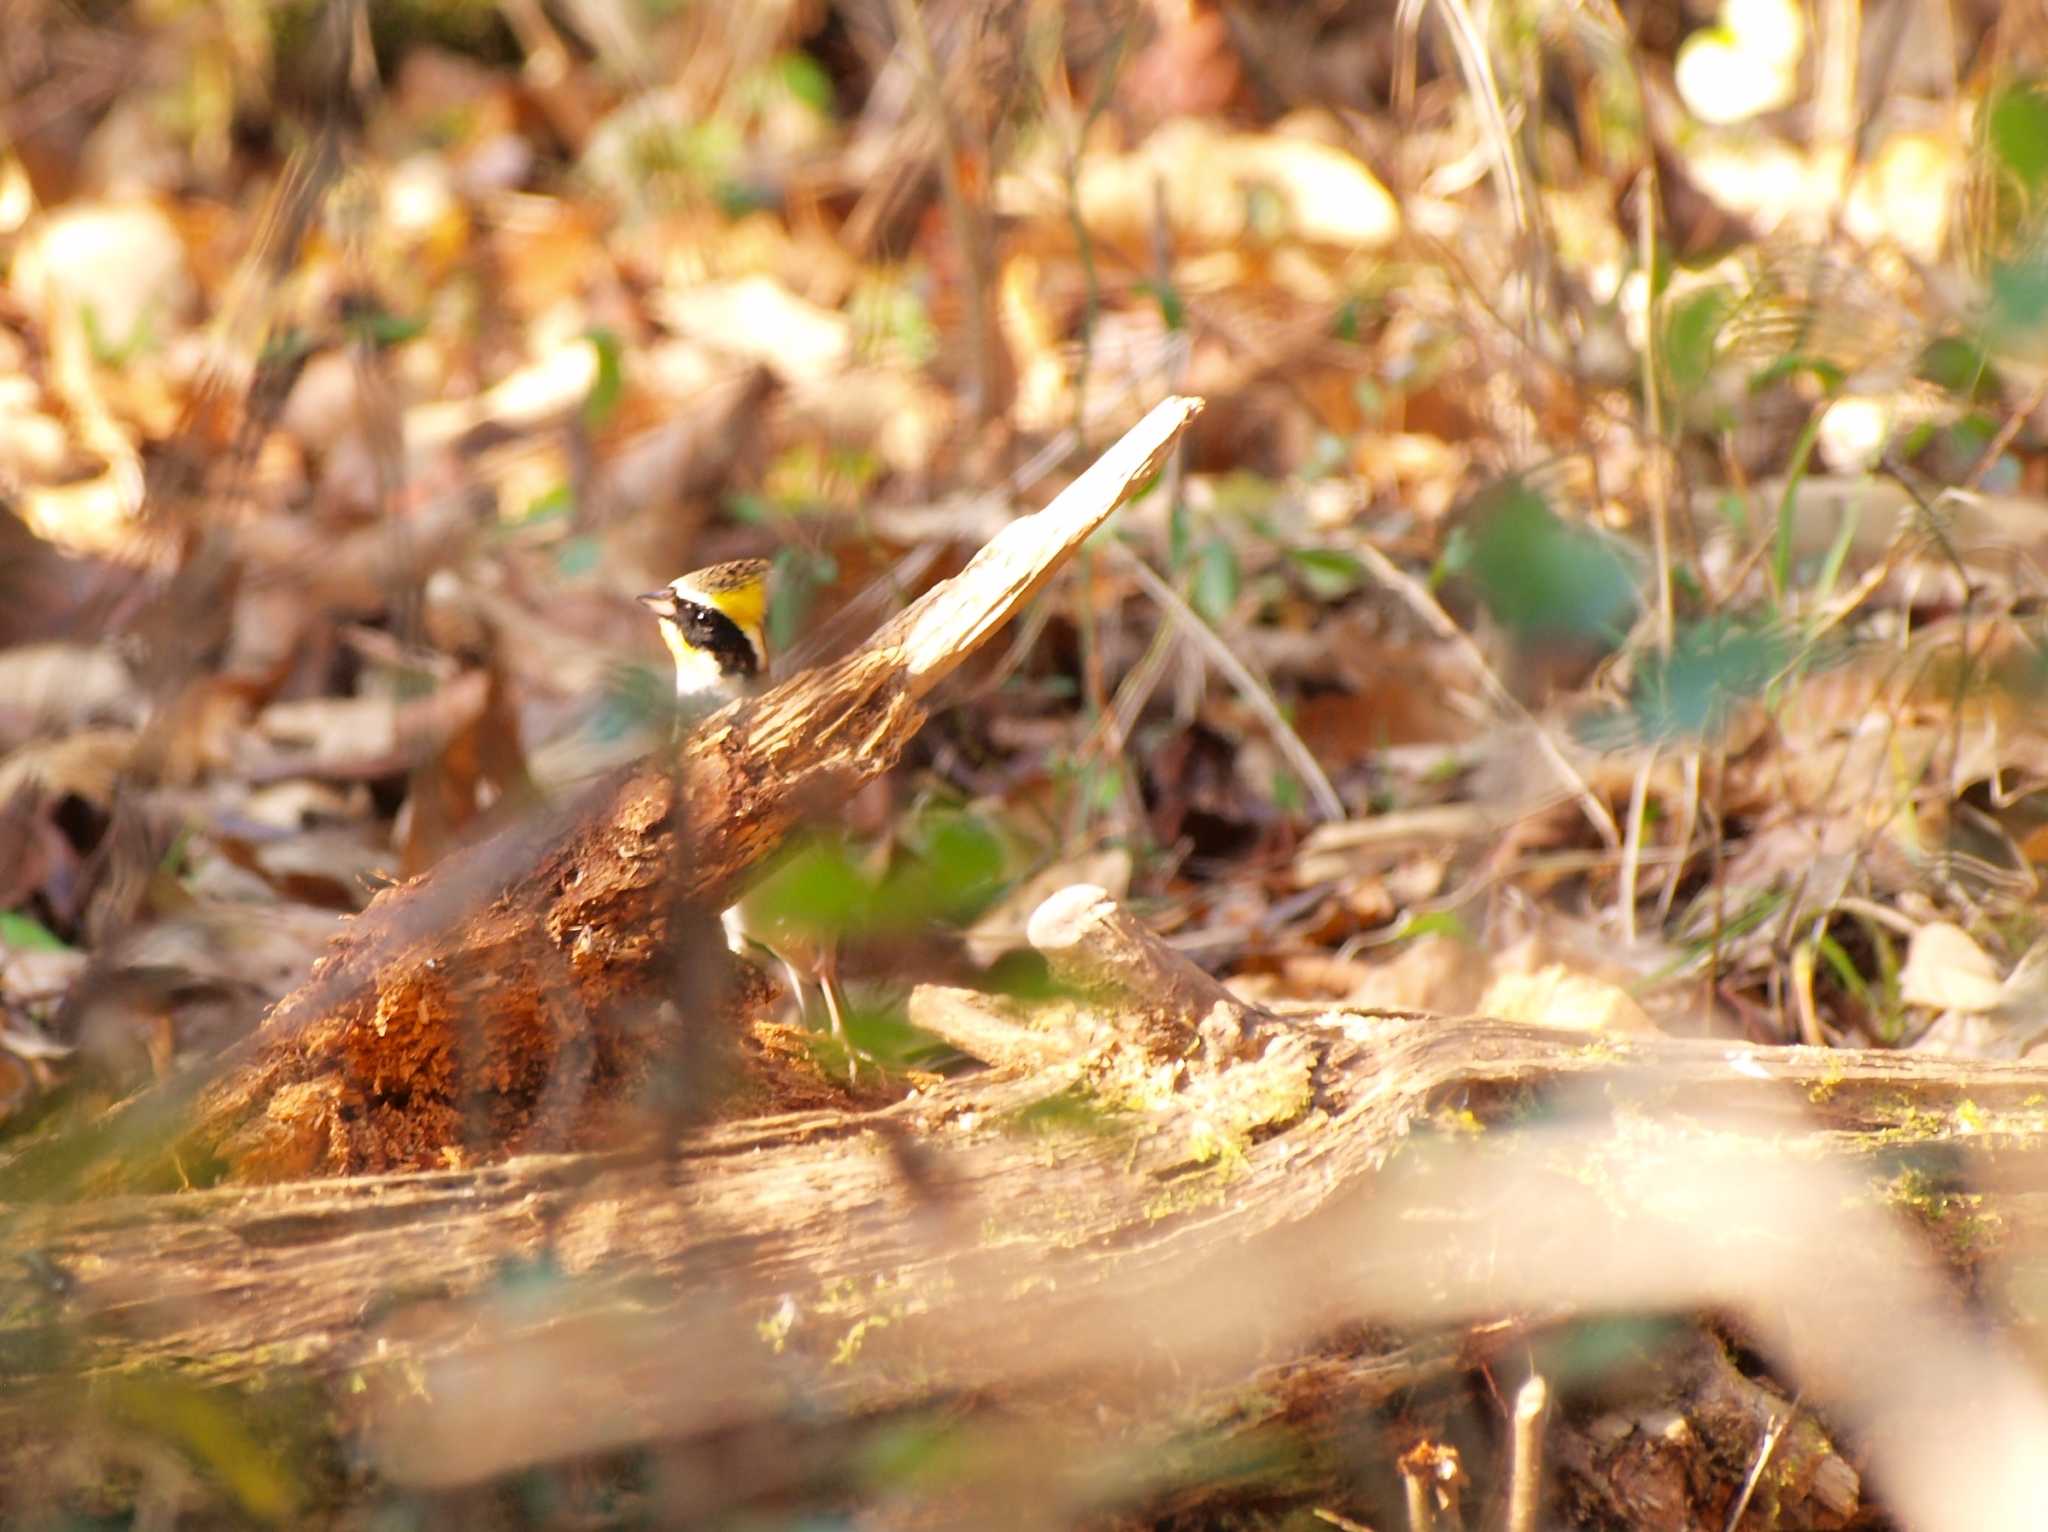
x,y
714,621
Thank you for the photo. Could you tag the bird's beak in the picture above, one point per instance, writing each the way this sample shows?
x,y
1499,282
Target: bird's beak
x,y
661,601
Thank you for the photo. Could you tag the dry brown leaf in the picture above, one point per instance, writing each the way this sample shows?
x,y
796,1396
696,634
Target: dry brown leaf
x,y
760,320
1946,971
900,417
35,976
543,393
57,686
92,516
1349,848
117,270
36,857
87,764
1431,973
1555,996
34,446
1906,192
1220,186
338,868
324,735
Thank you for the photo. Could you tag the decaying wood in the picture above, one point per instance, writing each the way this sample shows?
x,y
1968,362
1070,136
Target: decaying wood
x,y
497,1002
1123,1238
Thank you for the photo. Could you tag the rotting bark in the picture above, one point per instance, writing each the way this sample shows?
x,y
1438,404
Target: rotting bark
x,y
502,1001
1130,1237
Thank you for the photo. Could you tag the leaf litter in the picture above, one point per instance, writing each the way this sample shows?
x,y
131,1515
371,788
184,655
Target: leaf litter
x,y
1626,629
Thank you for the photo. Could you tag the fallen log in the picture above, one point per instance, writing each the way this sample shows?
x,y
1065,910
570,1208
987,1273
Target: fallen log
x,y
1141,1242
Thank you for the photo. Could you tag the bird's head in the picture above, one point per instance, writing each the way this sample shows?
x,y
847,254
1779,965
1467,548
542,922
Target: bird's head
x,y
714,623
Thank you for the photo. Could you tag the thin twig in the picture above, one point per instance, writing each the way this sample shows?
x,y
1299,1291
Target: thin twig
x,y
1340,1522
1765,1448
1407,27
1421,1509
1653,409
1432,613
1632,843
1254,691
1881,914
1188,679
1688,823
1477,64
1995,448
968,228
1895,470
1525,1468
1804,956
1084,243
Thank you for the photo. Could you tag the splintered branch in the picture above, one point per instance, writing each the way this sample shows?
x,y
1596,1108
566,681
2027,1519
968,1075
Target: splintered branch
x,y
494,1003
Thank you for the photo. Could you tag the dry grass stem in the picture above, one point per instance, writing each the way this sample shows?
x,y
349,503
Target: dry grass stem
x,y
1525,1478
1256,693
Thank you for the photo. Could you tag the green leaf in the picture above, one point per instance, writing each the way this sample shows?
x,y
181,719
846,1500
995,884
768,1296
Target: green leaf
x,y
117,350
794,585
380,328
815,889
1844,969
1828,374
1459,550
1958,366
1734,510
1838,551
220,1430
805,78
956,869
579,555
1327,572
1289,797
1217,581
1788,503
1691,333
1172,312
553,505
1591,1351
603,398
24,933
1543,577
2019,299
1436,923
2018,126
1713,667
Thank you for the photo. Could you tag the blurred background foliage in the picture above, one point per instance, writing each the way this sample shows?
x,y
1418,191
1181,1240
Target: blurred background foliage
x,y
1623,419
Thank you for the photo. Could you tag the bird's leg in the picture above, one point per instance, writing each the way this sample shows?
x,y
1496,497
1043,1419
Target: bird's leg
x,y
824,978
835,1007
